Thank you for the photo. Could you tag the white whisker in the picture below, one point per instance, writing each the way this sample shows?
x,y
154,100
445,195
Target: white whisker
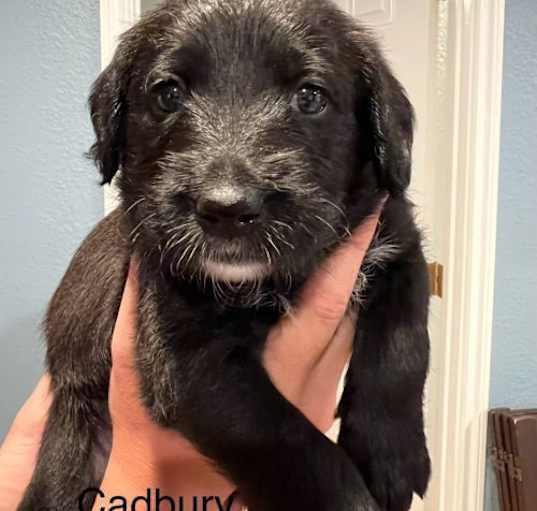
x,y
140,224
133,205
271,241
281,238
331,227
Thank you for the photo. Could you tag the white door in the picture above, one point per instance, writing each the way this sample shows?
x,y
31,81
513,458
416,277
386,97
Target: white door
x,y
149,4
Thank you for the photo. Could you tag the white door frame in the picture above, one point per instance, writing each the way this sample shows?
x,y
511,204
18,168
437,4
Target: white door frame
x,y
468,88
464,153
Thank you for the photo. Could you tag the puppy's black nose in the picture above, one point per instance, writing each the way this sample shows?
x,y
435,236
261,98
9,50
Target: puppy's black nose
x,y
230,210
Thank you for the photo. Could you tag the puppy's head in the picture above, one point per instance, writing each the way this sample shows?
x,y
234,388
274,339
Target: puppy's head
x,y
251,135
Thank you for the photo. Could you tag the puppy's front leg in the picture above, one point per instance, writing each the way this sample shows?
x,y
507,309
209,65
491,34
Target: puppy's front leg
x,y
381,409
72,455
267,447
210,385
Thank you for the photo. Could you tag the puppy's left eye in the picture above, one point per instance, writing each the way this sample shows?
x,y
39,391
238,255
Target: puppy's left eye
x,y
169,96
310,100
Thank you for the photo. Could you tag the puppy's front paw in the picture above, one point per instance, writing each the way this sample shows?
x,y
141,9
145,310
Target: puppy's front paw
x,y
393,468
394,477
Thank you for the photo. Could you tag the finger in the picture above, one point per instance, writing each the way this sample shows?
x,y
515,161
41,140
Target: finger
x,y
319,395
124,391
300,338
125,327
325,297
18,454
31,418
297,343
334,358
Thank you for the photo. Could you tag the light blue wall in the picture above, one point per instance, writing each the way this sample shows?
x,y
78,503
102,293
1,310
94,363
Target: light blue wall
x,y
514,354
49,198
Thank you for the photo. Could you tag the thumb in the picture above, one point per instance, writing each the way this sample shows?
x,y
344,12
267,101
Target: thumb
x,y
125,326
18,454
304,334
326,295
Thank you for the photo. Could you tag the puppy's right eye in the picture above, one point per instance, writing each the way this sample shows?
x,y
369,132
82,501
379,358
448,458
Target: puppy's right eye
x,y
310,100
169,96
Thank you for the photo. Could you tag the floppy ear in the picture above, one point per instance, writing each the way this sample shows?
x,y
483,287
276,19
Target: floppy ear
x,y
108,107
391,122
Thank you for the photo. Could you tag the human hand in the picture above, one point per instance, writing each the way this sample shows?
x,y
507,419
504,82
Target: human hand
x,y
305,355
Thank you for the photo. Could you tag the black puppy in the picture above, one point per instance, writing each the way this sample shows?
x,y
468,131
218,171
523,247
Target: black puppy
x,y
251,136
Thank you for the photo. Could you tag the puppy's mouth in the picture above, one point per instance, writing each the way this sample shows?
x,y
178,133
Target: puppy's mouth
x,y
260,258
235,261
236,273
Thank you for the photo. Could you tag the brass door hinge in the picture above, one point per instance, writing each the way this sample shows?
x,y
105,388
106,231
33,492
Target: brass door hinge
x,y
436,279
